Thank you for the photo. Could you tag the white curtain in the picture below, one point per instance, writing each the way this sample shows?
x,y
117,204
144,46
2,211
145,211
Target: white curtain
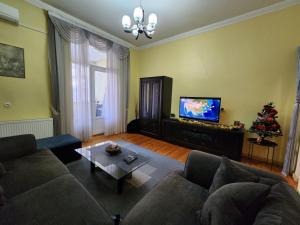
x,y
115,101
82,122
64,86
70,80
291,149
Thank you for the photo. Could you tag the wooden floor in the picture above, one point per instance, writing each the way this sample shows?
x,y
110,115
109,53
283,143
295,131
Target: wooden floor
x,y
174,151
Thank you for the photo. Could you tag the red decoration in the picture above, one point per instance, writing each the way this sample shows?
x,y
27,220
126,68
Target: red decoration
x,y
265,124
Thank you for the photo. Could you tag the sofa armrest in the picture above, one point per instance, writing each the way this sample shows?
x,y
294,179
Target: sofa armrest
x,y
17,146
201,167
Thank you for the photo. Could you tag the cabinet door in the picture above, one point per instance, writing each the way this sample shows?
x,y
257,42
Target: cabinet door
x,y
145,100
150,106
155,113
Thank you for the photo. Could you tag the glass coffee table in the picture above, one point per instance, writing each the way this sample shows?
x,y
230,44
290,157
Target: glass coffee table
x,y
113,165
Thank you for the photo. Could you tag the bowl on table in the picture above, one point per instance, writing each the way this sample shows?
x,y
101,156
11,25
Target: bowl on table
x,y
113,149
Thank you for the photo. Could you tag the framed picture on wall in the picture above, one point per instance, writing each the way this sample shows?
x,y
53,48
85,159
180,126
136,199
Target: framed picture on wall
x,y
12,61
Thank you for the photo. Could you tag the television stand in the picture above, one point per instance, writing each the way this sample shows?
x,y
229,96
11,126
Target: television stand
x,y
216,139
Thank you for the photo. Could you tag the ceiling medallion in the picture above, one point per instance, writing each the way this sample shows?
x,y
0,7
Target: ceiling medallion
x,y
139,27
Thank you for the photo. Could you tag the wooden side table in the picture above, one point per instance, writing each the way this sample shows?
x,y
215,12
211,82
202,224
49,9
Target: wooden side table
x,y
269,144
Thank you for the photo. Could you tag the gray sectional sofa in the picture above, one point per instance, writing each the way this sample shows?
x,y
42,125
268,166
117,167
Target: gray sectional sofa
x,y
39,190
179,198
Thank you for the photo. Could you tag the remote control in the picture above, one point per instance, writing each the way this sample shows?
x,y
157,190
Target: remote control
x,y
130,158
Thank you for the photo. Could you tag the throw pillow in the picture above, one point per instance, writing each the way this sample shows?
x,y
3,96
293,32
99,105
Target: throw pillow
x,y
282,206
2,169
229,173
234,204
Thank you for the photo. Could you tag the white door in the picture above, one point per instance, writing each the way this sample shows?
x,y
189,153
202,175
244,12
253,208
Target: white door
x,y
98,88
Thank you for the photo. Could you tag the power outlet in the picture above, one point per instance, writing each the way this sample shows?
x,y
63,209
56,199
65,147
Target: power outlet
x,y
7,104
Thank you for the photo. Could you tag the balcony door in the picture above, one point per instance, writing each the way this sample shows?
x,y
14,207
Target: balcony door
x,y
98,88
98,83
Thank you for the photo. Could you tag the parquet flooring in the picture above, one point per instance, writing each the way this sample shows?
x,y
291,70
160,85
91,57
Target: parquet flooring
x,y
174,151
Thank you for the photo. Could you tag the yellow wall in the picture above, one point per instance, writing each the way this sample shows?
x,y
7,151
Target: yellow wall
x,y
30,97
247,64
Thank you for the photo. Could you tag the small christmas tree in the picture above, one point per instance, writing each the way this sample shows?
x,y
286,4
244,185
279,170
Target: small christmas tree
x,y
265,124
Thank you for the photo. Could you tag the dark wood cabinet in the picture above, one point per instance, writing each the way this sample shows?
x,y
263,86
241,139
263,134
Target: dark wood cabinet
x,y
154,121
213,140
155,104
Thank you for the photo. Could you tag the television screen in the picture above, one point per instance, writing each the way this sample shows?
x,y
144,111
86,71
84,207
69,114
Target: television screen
x,y
200,108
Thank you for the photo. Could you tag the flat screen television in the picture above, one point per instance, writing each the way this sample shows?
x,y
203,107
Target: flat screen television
x,y
200,108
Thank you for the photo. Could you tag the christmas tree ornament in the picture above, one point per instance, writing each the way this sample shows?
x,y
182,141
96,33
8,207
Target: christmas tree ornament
x,y
266,124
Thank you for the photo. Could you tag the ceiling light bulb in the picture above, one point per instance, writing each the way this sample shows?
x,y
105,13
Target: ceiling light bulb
x,y
126,22
152,19
138,14
135,32
150,27
150,33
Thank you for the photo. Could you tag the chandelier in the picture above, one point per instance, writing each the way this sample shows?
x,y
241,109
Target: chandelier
x,y
139,27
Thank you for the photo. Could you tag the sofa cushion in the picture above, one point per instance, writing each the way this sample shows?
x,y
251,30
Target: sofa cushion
x,y
234,204
174,201
30,171
62,201
16,146
229,173
282,206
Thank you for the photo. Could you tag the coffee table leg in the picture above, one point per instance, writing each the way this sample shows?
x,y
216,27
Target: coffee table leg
x,y
129,176
120,185
93,167
120,182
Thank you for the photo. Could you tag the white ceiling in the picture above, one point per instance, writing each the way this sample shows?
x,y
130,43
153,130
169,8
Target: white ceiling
x,y
174,16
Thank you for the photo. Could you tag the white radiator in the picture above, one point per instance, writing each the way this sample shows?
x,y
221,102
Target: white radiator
x,y
39,127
